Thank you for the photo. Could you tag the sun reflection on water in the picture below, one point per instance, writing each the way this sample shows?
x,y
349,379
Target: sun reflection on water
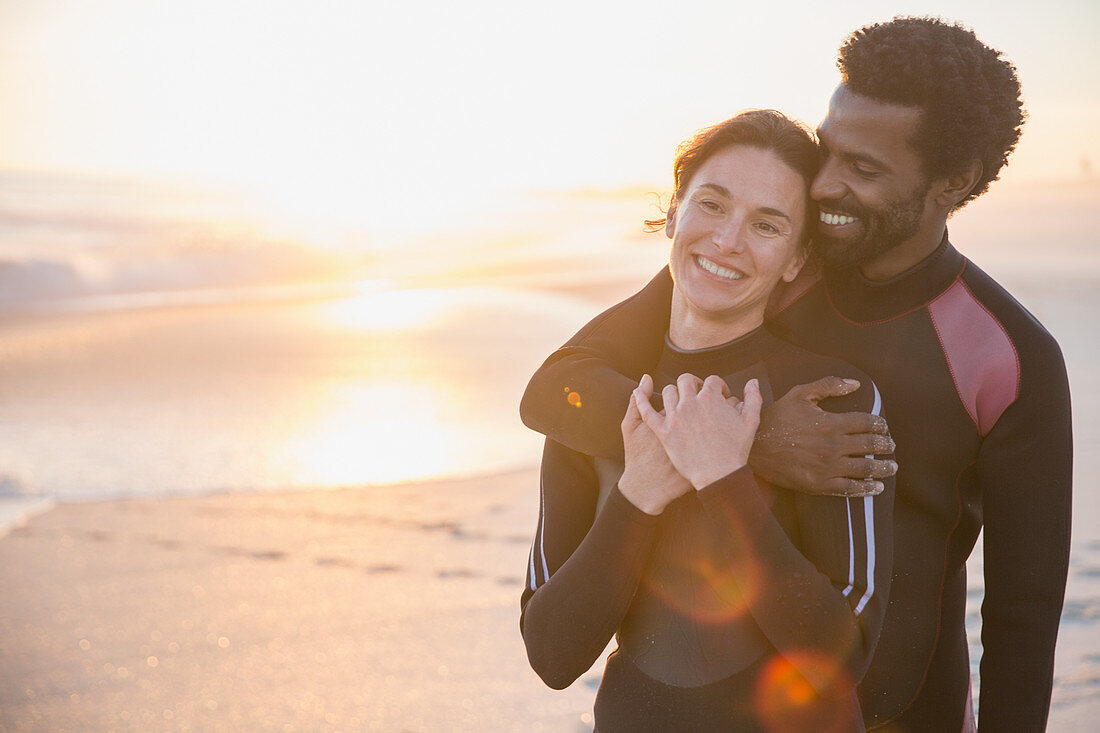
x,y
414,384
381,386
390,310
380,432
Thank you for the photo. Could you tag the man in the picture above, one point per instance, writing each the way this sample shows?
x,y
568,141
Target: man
x,y
974,387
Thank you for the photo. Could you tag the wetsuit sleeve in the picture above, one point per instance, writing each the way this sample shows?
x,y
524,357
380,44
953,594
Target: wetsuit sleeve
x,y
820,598
600,366
1025,473
584,567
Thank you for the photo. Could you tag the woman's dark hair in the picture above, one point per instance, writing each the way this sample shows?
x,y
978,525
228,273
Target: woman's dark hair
x,y
765,129
969,97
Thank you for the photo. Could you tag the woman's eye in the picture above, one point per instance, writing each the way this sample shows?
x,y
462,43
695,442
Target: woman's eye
x,y
711,206
767,228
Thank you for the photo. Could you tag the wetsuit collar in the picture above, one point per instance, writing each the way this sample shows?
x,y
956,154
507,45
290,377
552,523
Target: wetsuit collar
x,y
864,301
723,359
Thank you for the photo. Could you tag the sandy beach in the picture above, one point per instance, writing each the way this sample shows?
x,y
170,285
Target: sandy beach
x,y
388,608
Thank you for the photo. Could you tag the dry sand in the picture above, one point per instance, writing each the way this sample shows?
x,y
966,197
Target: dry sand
x,y
381,608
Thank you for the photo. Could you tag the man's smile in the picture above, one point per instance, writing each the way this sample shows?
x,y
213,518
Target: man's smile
x,y
836,219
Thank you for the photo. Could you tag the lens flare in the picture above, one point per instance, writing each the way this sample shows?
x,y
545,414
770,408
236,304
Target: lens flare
x,y
785,701
711,580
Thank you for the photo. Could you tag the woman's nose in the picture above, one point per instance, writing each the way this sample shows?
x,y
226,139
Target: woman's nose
x,y
729,237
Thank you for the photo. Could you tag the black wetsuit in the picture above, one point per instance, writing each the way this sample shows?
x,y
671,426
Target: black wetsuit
x,y
979,408
741,607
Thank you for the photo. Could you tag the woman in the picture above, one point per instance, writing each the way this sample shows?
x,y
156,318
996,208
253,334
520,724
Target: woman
x,y
736,605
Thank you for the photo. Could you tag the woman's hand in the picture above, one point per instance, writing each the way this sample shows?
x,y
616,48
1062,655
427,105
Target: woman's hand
x,y
706,432
649,481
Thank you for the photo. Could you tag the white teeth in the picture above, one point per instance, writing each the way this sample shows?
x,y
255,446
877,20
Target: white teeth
x,y
719,271
836,219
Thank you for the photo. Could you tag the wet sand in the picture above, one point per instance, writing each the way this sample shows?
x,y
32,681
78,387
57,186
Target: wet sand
x,y
385,608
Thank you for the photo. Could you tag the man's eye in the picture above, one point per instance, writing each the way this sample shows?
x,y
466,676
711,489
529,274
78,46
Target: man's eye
x,y
767,228
864,172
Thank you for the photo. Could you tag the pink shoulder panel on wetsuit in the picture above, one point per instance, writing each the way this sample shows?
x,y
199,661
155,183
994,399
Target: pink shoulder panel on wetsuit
x,y
983,362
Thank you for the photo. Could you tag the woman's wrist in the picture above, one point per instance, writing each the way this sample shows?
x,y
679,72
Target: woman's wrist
x,y
633,491
713,474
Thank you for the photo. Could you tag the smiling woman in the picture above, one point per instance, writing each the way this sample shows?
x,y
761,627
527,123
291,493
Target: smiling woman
x,y
736,232
736,604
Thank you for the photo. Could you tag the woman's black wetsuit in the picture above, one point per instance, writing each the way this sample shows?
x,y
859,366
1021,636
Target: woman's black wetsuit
x,y
742,605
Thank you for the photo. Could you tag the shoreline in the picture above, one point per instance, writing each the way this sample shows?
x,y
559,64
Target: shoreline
x,y
17,509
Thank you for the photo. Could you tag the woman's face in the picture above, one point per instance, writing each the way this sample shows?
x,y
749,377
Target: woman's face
x,y
735,234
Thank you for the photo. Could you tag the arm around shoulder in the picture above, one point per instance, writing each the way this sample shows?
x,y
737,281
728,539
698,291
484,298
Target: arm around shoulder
x,y
579,394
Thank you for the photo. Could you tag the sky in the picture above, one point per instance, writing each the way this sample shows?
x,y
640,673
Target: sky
x,y
346,110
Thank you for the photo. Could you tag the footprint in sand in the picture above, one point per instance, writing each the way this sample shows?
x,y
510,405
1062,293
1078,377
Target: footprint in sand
x,y
339,562
384,568
461,534
269,555
457,573
245,552
441,525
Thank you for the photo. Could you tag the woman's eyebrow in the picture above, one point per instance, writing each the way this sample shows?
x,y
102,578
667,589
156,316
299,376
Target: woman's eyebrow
x,y
774,212
770,211
714,186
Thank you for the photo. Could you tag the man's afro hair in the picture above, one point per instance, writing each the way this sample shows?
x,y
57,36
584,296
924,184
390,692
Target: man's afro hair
x,y
969,96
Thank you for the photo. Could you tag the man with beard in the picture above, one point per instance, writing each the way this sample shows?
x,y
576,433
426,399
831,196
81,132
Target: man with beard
x,y
923,120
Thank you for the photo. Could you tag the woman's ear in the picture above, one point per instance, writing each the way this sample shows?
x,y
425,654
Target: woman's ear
x,y
670,220
796,263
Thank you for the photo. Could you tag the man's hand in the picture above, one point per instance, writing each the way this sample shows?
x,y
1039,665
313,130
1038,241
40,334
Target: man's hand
x,y
802,447
706,432
649,481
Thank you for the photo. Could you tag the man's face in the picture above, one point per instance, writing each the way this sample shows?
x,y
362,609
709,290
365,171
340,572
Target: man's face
x,y
871,189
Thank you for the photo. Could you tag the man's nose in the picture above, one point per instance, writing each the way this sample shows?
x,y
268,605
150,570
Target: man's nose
x,y
828,184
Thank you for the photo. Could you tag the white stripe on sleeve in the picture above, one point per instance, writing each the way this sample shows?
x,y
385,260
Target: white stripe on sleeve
x,y
869,525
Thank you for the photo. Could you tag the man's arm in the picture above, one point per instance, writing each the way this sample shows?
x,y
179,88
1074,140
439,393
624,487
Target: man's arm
x,y
1025,471
579,394
804,447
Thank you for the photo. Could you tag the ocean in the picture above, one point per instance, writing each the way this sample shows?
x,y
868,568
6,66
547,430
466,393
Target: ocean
x,y
160,340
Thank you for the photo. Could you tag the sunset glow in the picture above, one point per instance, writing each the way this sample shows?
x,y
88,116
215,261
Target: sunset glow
x,y
395,116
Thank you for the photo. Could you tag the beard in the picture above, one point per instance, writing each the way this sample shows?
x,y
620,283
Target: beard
x,y
881,229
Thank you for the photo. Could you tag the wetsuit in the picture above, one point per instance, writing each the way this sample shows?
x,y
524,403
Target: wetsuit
x,y
979,409
737,600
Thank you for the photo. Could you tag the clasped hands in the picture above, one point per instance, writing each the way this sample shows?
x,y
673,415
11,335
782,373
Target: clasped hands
x,y
703,434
